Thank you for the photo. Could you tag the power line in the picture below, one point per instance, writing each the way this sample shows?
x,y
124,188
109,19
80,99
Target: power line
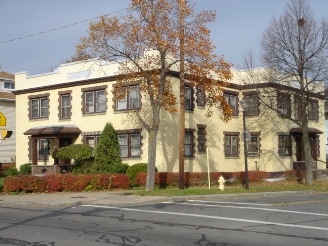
x,y
56,29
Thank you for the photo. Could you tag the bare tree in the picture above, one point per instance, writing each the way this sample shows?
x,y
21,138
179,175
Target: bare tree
x,y
295,55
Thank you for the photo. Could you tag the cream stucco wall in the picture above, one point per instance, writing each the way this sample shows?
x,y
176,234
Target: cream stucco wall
x,y
167,142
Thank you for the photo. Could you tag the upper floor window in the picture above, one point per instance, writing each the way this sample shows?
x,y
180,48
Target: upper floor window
x,y
313,110
9,85
252,107
231,99
131,100
284,145
94,101
130,144
231,145
253,146
283,104
189,100
298,109
65,106
200,98
39,107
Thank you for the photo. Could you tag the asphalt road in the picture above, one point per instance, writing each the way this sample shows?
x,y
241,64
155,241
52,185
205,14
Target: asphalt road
x,y
291,220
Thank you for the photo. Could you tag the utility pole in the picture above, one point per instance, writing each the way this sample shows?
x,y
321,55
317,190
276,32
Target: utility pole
x,y
182,94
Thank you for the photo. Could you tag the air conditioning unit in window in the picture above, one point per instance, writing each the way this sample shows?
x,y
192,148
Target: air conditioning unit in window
x,y
282,111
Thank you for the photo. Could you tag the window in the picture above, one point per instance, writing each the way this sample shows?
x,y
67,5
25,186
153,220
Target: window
x,y
65,106
131,101
94,101
39,108
130,144
231,145
284,148
283,104
200,98
252,107
43,149
92,140
253,147
232,101
189,101
201,133
9,85
189,143
313,110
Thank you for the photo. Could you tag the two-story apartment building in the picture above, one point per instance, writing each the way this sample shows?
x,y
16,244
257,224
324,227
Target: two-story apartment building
x,y
72,104
7,108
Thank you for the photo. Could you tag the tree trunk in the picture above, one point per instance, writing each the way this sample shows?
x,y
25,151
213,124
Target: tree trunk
x,y
152,144
307,156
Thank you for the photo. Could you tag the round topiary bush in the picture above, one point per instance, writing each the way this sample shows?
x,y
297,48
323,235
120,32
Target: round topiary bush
x,y
12,171
133,170
25,169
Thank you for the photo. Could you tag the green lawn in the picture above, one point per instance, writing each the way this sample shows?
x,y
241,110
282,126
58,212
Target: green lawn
x,y
318,186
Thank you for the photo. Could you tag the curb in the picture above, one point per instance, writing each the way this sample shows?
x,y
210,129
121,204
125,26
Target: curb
x,y
175,199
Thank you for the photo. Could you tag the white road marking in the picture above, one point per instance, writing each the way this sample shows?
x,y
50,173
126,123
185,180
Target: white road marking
x,y
255,208
210,217
242,203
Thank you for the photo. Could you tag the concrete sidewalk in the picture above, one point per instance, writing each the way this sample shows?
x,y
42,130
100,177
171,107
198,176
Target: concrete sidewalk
x,y
117,197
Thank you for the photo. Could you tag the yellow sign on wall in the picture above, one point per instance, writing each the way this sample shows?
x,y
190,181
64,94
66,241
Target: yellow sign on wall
x,y
2,120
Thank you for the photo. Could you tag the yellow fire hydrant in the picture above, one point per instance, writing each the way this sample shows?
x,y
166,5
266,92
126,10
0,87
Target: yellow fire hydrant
x,y
221,183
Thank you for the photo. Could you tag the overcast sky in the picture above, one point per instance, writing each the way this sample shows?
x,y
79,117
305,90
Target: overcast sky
x,y
238,29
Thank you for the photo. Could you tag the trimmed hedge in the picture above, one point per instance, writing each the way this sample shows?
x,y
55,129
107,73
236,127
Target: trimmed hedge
x,y
11,171
65,182
163,179
25,169
133,171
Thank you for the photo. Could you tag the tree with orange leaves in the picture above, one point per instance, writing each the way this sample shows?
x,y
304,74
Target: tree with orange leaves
x,y
145,43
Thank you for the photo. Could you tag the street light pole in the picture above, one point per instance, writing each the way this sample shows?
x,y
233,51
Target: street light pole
x,y
243,103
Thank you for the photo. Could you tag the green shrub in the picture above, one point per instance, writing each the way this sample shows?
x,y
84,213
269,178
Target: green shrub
x,y
12,171
25,169
107,152
133,171
77,152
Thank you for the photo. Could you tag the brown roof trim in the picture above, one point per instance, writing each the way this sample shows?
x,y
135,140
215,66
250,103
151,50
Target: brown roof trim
x,y
66,85
54,130
311,130
169,73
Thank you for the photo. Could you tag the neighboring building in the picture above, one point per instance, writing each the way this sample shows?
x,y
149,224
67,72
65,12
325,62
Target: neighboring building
x,y
7,108
73,103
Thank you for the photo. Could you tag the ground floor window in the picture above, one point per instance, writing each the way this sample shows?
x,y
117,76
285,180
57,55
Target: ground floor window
x,y
231,145
92,140
253,146
284,148
42,146
130,144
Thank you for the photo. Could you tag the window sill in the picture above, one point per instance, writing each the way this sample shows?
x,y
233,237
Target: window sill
x,y
124,111
189,111
232,157
93,114
131,157
38,119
